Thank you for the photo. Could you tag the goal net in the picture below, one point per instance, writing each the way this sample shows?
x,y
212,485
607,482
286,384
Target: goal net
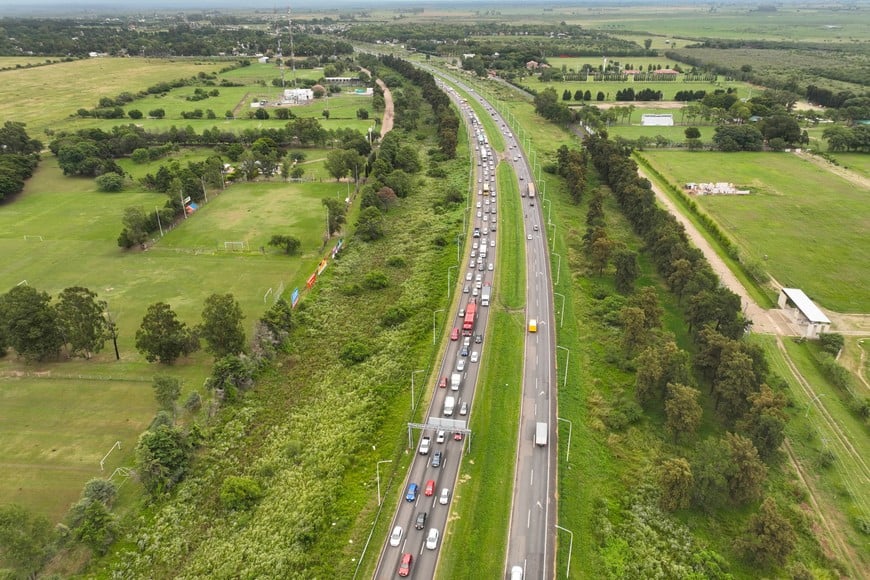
x,y
235,246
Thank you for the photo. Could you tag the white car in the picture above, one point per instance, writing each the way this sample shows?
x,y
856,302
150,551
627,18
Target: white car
x,y
396,536
492,243
468,277
529,237
441,436
444,497
490,267
474,356
432,539
460,365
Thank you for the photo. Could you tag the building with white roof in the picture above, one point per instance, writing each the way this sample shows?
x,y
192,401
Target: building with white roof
x,y
809,317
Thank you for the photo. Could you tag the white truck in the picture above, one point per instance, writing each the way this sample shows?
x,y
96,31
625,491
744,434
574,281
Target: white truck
x,y
455,380
449,405
485,294
541,430
425,443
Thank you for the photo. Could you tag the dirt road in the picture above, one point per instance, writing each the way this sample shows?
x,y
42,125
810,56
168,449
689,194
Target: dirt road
x,y
389,111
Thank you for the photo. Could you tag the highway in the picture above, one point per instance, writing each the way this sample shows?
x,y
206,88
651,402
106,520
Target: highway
x,y
531,541
474,275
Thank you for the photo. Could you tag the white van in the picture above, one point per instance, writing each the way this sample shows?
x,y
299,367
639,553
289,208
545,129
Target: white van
x,y
449,405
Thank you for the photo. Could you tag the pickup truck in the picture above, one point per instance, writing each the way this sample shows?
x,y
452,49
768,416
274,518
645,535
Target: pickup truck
x,y
425,443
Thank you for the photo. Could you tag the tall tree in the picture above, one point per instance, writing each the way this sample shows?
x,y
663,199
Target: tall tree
x,y
675,484
337,211
735,381
626,270
162,337
765,421
24,539
30,323
222,326
167,389
83,321
648,301
162,458
634,331
682,410
769,538
746,473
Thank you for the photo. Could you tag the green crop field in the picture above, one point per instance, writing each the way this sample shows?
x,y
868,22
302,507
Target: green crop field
x,y
806,225
37,97
79,227
610,88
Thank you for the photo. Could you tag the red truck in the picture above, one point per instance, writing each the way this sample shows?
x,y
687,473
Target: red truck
x,y
468,323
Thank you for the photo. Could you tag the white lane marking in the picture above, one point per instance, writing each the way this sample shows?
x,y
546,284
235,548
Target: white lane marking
x,y
532,478
529,519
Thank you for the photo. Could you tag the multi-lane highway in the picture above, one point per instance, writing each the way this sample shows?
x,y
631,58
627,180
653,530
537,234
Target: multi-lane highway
x,y
461,361
531,543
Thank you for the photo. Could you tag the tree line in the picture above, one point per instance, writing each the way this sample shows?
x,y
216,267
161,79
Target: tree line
x,y
19,156
747,397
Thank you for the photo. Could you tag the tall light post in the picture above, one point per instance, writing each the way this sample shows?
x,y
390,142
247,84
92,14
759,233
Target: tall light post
x,y
378,476
570,428
570,549
558,268
567,360
434,312
412,386
448,278
561,316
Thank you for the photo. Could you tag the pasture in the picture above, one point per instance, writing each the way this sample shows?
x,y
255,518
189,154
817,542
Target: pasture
x,y
807,226
36,97
668,89
113,399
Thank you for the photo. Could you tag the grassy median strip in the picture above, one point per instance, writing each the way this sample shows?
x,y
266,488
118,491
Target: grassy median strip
x,y
481,512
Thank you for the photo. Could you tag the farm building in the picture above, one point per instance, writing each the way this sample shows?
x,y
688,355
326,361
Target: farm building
x,y
298,96
657,120
804,312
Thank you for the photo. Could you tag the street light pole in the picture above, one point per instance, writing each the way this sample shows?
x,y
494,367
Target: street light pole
x,y
448,278
570,428
570,549
567,359
561,316
378,476
412,386
434,312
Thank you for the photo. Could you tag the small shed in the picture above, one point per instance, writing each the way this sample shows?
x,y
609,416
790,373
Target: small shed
x,y
804,312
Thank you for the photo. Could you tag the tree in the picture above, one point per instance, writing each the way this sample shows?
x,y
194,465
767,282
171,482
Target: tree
x,y
626,270
164,338
657,366
647,43
135,230
675,484
735,381
599,254
831,342
370,224
362,114
765,421
769,537
648,301
336,163
682,410
709,466
30,324
24,538
745,473
82,320
167,389
290,244
110,182
162,458
634,332
337,211
97,526
692,133
222,326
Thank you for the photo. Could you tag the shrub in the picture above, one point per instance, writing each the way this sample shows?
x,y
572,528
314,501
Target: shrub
x,y
193,402
376,280
396,262
831,342
395,315
354,352
240,493
110,182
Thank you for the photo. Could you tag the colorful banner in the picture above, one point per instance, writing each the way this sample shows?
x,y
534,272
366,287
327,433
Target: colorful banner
x,y
311,280
337,248
294,298
323,264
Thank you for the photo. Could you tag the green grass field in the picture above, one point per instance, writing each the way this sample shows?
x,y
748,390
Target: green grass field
x,y
609,88
806,225
79,227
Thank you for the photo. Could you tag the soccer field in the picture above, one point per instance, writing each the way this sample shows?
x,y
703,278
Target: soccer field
x,y
57,419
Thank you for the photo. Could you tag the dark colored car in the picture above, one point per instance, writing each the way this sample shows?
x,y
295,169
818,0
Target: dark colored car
x,y
478,338
420,523
436,459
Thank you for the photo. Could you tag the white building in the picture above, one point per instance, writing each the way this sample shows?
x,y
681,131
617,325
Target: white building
x,y
809,317
654,120
298,96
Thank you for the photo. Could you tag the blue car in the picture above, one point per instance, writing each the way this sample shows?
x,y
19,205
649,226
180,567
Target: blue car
x,y
413,489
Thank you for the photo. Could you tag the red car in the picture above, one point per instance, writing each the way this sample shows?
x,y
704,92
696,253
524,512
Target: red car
x,y
454,334
443,383
430,487
457,436
405,564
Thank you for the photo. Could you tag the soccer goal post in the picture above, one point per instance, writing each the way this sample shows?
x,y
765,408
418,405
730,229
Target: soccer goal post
x,y
235,246
32,238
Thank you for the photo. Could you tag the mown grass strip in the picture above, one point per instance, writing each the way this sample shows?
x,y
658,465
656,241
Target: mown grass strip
x,y
481,512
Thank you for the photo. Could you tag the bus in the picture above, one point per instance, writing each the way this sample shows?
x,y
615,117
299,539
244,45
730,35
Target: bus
x,y
531,189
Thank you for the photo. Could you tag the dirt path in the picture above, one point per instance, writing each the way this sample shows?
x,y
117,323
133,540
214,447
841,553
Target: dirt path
x,y
764,321
389,111
854,178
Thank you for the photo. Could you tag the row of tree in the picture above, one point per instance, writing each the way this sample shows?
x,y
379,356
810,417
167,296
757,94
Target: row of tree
x,y
19,156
